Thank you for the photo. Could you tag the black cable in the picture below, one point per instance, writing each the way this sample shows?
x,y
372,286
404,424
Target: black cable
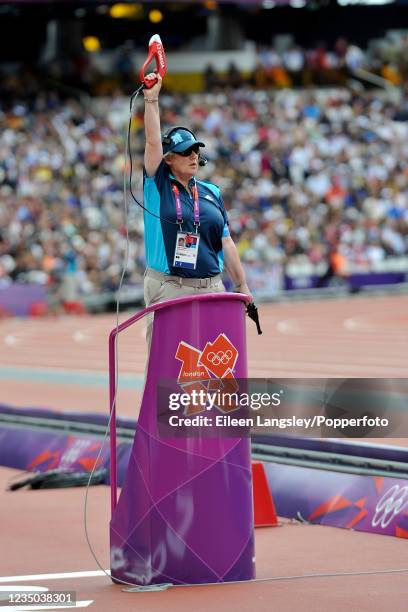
x,y
125,265
164,586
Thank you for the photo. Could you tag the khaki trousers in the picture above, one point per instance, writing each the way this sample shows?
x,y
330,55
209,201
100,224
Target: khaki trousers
x,y
160,290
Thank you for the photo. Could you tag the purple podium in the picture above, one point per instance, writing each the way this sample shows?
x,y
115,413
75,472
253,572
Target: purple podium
x,y
185,512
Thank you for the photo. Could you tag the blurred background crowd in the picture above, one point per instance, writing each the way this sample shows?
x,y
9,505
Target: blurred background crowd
x,y
287,64
311,159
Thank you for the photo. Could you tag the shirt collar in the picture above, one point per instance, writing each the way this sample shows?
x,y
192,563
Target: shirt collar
x,y
191,182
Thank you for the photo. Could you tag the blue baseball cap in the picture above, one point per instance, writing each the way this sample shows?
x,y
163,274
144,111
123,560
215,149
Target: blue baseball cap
x,y
179,139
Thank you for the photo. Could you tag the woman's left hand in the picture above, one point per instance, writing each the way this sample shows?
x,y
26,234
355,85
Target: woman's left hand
x,y
245,289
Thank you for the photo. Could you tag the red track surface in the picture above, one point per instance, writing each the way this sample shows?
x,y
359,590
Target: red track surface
x,y
360,337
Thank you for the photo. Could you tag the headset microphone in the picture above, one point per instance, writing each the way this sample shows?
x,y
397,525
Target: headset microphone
x,y
202,161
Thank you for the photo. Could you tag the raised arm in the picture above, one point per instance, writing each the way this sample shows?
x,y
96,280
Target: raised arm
x,y
153,148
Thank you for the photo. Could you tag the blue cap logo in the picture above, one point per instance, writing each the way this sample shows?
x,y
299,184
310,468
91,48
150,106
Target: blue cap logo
x,y
176,138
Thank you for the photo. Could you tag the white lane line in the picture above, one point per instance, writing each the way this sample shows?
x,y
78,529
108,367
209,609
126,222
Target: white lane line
x,y
78,604
61,576
9,588
6,591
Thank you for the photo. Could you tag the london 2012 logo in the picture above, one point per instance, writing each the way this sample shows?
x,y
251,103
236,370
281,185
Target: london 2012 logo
x,y
210,369
392,503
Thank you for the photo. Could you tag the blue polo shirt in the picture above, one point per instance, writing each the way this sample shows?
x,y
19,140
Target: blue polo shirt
x,y
160,236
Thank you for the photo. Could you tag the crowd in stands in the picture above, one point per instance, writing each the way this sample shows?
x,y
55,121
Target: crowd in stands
x,y
302,172
287,64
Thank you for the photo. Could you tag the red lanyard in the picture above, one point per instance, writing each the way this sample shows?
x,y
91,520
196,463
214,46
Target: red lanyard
x,y
179,210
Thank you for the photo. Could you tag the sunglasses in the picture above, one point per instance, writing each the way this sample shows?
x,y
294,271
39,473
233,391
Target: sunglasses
x,y
187,152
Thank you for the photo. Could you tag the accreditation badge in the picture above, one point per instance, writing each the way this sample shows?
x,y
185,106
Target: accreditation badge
x,y
186,252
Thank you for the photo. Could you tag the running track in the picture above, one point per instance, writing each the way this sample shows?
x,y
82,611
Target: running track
x,y
61,363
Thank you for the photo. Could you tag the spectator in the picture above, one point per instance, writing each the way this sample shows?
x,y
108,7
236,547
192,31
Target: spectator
x,y
297,169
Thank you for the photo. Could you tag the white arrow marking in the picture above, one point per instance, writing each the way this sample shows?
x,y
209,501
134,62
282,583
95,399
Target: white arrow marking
x,y
354,324
10,340
287,327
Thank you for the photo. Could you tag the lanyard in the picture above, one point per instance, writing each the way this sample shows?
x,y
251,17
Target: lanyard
x,y
179,210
